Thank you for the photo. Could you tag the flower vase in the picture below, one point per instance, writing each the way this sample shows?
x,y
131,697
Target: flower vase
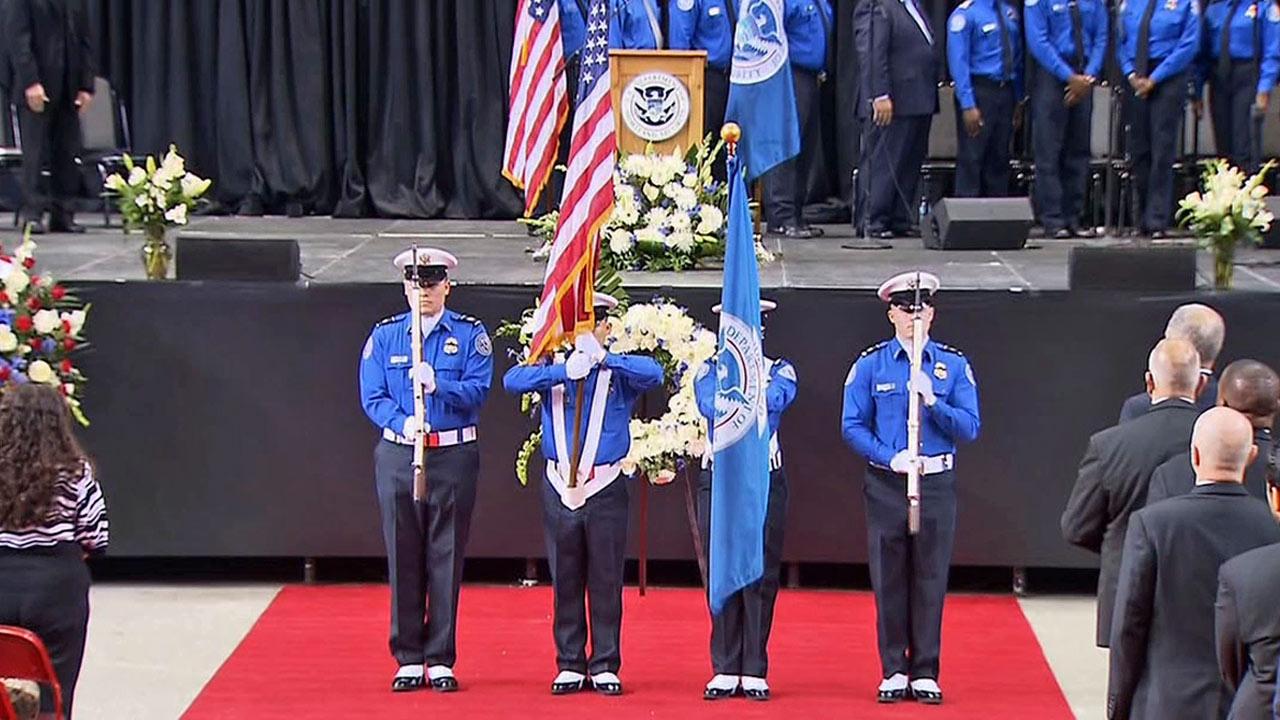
x,y
156,254
1224,253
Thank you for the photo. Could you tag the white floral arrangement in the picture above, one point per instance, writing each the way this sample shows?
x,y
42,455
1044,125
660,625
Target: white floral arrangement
x,y
1231,210
157,196
664,331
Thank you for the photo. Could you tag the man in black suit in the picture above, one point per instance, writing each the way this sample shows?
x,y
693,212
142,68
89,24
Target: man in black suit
x,y
1163,654
897,98
1248,626
52,78
1117,465
1203,327
1253,390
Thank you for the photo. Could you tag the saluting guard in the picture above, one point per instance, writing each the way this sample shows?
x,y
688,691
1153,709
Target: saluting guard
x,y
1241,60
984,52
740,633
426,533
910,534
1158,41
585,508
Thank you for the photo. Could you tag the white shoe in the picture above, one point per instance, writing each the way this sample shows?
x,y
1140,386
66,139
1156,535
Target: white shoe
x,y
721,687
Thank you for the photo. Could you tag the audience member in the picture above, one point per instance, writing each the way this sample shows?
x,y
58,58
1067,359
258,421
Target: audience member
x,y
51,513
1163,659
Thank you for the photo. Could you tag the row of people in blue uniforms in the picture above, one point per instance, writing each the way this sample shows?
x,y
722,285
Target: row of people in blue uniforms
x,y
586,496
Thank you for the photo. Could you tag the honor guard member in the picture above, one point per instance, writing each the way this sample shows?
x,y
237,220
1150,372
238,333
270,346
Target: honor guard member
x,y
984,53
635,25
808,25
426,541
586,524
909,572
740,633
1068,39
1158,40
708,25
1241,60
897,99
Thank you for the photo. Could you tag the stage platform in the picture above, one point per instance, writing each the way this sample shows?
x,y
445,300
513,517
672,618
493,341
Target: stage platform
x,y
498,253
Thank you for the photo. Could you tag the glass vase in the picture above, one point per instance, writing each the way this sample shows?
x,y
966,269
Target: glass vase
x,y
156,254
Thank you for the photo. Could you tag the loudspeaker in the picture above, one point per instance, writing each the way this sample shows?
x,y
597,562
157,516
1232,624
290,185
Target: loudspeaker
x,y
1271,238
238,258
1128,267
978,224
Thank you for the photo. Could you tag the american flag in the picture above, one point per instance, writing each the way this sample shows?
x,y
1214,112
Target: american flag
x,y
538,99
565,308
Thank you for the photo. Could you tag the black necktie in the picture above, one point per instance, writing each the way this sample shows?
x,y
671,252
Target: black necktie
x,y
1224,43
1006,47
1077,34
1142,66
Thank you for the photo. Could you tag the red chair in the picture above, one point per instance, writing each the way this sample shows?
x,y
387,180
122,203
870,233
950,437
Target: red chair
x,y
23,656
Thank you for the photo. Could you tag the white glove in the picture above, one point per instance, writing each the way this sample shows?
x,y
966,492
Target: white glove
x,y
899,464
588,344
578,365
410,428
920,383
425,375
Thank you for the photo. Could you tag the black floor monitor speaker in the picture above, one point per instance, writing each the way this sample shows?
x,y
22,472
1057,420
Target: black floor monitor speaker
x,y
1132,267
978,224
1271,238
238,258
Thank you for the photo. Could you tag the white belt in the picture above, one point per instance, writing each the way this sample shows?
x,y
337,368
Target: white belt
x,y
929,465
442,438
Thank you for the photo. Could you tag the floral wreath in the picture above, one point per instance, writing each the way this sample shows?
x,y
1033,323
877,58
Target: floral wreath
x,y
664,331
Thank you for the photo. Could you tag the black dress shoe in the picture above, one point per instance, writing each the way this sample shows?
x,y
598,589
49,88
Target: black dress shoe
x,y
408,684
802,233
883,234
719,693
779,230
607,688
891,696
1083,233
1159,234
293,209
567,688
65,226
35,227
927,697
1062,234
758,695
910,232
444,684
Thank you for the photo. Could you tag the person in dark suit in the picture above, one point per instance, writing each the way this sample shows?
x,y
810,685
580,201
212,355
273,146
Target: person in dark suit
x,y
52,77
1117,466
1163,654
1203,327
1252,389
896,100
1248,626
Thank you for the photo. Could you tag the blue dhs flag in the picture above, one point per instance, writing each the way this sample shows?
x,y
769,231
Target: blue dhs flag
x,y
740,436
762,98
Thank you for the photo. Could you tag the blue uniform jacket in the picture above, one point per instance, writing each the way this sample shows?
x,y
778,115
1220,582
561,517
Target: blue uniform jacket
x,y
808,23
1051,42
974,47
875,401
630,27
1253,23
633,375
778,396
703,25
1174,37
459,350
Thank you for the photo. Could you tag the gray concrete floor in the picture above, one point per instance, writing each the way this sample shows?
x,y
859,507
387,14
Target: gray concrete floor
x,y
152,648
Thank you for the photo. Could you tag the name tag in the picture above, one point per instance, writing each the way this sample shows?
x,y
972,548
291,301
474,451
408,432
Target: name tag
x,y
1058,8
713,11
988,27
885,387
399,359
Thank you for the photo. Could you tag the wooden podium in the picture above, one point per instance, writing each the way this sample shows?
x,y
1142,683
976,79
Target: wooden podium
x,y
657,98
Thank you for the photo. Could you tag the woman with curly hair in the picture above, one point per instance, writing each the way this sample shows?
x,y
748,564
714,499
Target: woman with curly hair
x,y
52,514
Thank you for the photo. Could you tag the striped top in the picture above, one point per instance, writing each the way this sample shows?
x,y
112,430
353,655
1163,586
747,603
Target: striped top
x,y
78,515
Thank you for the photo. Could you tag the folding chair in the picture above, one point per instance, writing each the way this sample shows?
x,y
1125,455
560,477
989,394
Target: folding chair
x,y
23,656
10,151
105,127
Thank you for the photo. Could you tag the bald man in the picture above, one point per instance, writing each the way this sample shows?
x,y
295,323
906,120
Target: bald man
x,y
1251,388
1204,328
1117,466
1164,662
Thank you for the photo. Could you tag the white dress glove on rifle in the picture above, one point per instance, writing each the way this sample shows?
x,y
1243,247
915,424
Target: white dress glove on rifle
x,y
425,375
900,462
920,383
578,365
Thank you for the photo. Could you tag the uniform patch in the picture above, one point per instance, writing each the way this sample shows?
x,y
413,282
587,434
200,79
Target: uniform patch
x,y
484,345
940,371
702,371
685,5
853,372
788,372
451,346
1252,12
368,348
957,22
1031,3
1273,15
968,372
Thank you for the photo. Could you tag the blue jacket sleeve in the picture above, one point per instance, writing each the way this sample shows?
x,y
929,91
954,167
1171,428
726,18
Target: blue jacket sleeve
x,y
782,386
958,32
533,378
1036,19
704,391
1097,50
1188,44
1270,50
957,413
681,26
638,373
471,390
617,19
375,397
858,417
1125,42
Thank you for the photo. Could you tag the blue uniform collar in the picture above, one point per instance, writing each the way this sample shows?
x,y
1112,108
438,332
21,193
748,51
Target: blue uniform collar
x,y
899,349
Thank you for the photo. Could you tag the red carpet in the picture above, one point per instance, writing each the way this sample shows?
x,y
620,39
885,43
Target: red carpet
x,y
321,652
